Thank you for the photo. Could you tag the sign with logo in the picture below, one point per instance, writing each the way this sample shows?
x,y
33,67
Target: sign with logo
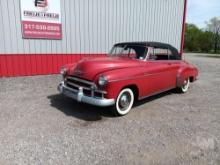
x,y
41,19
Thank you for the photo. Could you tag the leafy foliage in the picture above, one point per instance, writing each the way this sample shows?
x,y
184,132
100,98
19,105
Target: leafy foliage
x,y
203,40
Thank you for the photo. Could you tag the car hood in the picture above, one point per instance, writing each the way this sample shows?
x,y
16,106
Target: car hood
x,y
89,68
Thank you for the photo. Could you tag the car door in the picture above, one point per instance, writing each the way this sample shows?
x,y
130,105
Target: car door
x,y
173,67
159,72
158,75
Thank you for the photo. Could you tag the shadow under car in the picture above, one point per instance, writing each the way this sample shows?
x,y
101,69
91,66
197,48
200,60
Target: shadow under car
x,y
88,112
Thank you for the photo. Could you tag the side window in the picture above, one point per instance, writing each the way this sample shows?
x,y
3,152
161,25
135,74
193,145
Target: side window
x,y
129,52
173,56
161,54
160,51
151,55
169,52
132,53
117,50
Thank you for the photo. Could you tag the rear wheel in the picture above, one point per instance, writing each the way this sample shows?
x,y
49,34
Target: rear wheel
x,y
124,102
184,88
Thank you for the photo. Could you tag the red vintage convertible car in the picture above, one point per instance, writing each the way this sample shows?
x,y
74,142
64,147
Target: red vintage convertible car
x,y
131,71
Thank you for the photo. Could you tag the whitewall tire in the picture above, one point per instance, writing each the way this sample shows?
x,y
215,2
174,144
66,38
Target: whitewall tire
x,y
184,88
124,102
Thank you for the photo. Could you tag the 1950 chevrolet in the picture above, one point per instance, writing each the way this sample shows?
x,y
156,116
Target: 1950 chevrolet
x,y
131,71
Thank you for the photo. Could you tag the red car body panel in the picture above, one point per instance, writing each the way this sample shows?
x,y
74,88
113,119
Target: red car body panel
x,y
147,77
132,70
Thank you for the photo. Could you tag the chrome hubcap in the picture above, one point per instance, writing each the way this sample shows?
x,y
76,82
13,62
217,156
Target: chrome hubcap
x,y
124,101
185,84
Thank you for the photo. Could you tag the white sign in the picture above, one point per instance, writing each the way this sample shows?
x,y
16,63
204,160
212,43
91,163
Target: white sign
x,y
41,19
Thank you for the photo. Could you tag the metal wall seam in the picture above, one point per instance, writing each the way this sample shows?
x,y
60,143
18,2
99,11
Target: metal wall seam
x,y
67,23
2,34
2,45
5,26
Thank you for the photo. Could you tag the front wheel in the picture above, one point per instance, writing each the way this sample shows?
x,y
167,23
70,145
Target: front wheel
x,y
124,102
184,88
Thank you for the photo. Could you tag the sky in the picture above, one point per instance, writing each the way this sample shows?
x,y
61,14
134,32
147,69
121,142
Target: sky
x,y
200,11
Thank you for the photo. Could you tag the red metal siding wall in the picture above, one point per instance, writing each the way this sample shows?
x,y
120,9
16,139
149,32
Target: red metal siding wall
x,y
37,64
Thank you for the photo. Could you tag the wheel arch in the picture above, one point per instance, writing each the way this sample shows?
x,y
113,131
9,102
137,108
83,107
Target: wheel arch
x,y
134,88
191,79
184,73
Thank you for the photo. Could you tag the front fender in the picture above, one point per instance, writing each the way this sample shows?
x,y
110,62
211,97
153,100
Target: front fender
x,y
120,78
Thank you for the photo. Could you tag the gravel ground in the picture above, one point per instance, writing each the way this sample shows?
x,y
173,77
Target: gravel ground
x,y
38,126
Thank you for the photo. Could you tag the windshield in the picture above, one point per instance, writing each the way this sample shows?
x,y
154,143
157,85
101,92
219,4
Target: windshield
x,y
129,51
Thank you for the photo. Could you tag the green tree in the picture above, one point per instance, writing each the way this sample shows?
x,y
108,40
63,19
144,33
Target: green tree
x,y
192,35
213,25
205,41
200,40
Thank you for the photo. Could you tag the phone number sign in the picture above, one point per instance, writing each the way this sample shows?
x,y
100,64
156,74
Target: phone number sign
x,y
41,19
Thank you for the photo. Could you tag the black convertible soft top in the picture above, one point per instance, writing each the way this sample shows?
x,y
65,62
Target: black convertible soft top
x,y
152,44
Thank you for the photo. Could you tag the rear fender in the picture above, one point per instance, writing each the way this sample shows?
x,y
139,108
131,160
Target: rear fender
x,y
185,73
182,74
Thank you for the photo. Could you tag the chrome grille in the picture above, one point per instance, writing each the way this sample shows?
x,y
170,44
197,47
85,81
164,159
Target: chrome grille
x,y
89,88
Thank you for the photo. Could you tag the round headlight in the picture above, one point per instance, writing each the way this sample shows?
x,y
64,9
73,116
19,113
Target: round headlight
x,y
63,71
102,80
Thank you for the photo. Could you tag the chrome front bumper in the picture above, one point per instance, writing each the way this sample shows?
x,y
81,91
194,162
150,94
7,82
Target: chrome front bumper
x,y
80,97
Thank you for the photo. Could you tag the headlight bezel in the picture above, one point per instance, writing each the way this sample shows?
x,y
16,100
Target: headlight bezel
x,y
63,71
102,81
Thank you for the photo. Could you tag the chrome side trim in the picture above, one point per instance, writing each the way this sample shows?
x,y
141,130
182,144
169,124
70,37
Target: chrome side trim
x,y
137,77
155,93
